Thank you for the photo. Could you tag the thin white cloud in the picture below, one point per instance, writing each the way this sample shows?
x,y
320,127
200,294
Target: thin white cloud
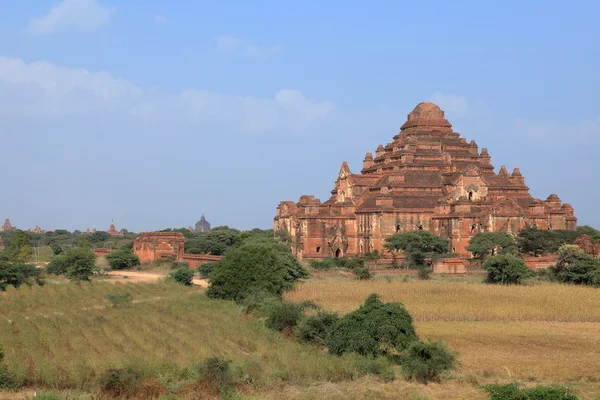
x,y
40,88
455,105
82,15
585,130
237,45
160,19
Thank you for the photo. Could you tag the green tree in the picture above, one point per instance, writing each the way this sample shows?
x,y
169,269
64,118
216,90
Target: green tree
x,y
99,236
19,249
506,269
574,266
593,233
17,274
417,245
56,248
485,244
374,329
543,241
81,263
122,259
58,265
426,361
249,268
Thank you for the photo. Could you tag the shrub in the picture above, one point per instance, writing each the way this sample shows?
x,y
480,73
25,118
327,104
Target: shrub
x,y
316,328
379,366
426,361
374,329
258,302
17,274
58,265
362,273
122,259
120,381
417,245
506,269
322,264
249,268
574,266
283,316
424,273
183,275
81,263
512,391
120,299
7,379
485,244
205,269
217,374
178,264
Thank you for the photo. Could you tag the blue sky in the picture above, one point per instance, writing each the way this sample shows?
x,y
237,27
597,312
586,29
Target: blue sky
x,y
153,112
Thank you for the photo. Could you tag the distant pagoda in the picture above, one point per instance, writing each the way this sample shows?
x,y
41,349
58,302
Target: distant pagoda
x,y
7,226
112,231
203,225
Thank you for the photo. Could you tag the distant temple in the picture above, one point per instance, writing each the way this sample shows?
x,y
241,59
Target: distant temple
x,y
427,178
37,230
203,225
7,226
112,231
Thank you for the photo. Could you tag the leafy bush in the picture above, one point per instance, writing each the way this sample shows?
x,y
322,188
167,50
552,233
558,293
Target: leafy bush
x,y
424,273
183,275
574,266
205,269
324,264
122,259
120,299
506,269
7,379
283,316
374,329
362,273
379,366
253,267
426,361
19,249
258,302
316,328
217,374
81,263
17,274
58,265
120,381
512,391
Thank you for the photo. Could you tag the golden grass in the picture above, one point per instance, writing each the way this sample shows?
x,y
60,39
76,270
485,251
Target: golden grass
x,y
436,300
539,333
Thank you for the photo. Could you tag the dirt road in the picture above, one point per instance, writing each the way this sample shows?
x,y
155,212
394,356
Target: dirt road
x,y
141,276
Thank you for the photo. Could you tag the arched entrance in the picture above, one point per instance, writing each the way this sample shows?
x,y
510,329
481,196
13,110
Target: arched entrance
x,y
338,253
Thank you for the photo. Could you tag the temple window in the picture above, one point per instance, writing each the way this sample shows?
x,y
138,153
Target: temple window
x,y
473,228
470,195
318,249
420,227
397,228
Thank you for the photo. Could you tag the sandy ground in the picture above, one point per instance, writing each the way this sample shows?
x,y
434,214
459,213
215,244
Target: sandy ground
x,y
141,276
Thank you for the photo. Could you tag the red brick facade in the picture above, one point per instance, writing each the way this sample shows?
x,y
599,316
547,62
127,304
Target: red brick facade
x,y
151,246
427,178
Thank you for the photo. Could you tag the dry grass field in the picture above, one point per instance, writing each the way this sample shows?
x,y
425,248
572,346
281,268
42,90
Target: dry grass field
x,y
538,333
62,337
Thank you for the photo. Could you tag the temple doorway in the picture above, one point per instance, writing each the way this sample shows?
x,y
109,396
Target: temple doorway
x,y
338,253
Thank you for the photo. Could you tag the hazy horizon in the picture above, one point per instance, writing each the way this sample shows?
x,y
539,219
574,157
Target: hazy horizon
x,y
155,115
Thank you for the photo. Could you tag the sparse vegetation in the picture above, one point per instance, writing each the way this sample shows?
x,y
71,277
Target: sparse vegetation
x,y
513,391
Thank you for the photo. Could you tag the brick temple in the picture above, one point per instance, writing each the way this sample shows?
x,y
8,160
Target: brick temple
x,y
427,178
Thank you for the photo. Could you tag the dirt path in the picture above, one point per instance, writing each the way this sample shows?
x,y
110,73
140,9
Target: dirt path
x,y
141,276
